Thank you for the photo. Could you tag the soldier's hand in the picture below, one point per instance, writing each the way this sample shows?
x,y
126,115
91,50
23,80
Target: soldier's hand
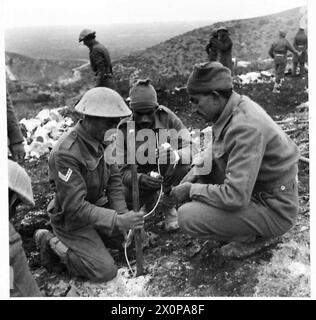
x,y
149,183
18,152
130,220
181,192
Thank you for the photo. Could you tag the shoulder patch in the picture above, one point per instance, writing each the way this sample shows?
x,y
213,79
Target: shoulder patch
x,y
65,177
68,140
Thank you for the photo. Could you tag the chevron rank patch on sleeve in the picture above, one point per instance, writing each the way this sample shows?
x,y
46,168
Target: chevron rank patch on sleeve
x,y
65,177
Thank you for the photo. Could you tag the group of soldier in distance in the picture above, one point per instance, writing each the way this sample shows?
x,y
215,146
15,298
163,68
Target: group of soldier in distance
x,y
244,201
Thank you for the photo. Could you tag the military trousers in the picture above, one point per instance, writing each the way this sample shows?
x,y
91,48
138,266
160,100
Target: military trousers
x,y
88,255
280,66
269,214
108,82
299,60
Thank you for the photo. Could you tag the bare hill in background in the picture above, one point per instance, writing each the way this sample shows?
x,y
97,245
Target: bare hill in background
x,y
175,57
60,42
168,63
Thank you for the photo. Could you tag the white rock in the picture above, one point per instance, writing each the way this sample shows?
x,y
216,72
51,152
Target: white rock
x,y
43,115
299,269
31,124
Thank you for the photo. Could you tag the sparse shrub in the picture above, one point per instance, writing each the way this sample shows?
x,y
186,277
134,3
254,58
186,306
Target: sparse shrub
x,y
263,22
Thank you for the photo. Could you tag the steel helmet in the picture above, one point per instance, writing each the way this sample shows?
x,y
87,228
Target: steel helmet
x,y
20,182
84,33
103,102
222,28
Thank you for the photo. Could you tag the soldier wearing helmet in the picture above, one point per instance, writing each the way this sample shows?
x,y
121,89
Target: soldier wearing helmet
x,y
224,46
278,52
88,212
100,60
20,192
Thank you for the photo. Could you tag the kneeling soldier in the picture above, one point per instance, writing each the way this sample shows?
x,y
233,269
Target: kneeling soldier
x,y
88,211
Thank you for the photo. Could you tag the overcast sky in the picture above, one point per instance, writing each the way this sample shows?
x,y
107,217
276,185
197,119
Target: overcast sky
x,y
79,12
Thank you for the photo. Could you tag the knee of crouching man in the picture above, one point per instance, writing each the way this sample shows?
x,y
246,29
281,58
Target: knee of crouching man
x,y
184,216
105,274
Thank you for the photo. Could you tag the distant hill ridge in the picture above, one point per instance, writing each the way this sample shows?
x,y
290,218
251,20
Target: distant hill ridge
x,y
175,57
172,59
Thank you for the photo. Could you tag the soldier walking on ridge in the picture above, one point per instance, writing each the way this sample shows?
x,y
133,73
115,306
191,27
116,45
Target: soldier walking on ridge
x,y
300,44
100,60
278,52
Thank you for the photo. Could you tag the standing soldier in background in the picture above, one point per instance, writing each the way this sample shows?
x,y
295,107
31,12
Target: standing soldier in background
x,y
99,59
300,44
15,137
211,48
278,52
224,45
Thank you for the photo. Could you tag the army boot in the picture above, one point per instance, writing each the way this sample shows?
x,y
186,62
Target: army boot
x,y
239,250
51,249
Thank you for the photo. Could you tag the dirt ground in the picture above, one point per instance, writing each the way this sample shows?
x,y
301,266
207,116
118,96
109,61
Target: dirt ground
x,y
178,265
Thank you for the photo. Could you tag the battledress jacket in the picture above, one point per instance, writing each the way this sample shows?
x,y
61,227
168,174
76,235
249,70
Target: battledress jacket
x,y
164,119
100,61
300,40
250,153
280,46
88,191
225,52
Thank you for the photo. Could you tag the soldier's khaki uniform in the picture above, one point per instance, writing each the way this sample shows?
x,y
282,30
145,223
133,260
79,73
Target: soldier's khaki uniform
x,y
88,197
164,119
14,131
100,62
278,52
225,46
300,44
252,189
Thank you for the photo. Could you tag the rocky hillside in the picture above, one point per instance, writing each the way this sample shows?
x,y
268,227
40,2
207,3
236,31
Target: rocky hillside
x,y
26,69
175,57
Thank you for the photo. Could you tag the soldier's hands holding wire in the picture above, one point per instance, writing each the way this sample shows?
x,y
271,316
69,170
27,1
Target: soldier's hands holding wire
x,y
150,183
130,220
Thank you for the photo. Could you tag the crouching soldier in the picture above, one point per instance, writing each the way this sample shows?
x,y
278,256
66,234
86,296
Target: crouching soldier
x,y
88,211
172,163
250,197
